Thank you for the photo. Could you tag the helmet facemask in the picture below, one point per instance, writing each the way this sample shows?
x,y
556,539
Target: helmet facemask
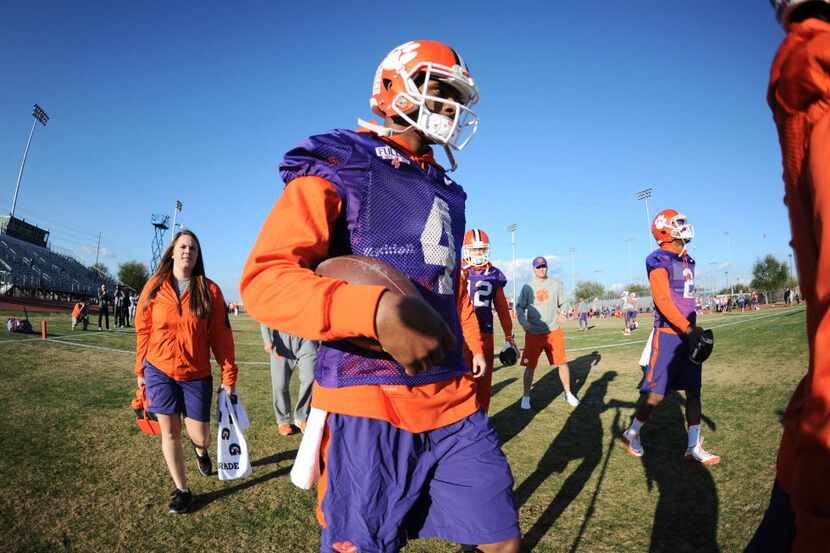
x,y
456,131
477,258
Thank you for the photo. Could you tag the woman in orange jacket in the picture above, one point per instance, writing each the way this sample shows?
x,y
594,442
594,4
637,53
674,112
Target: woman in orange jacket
x,y
180,318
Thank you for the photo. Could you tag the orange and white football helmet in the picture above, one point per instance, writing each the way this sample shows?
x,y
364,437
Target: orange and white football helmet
x,y
398,91
784,8
670,225
475,239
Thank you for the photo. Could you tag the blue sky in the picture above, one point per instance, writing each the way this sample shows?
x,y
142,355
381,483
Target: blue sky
x,y
582,105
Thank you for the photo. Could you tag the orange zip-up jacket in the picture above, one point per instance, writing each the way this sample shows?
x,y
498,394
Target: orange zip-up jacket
x,y
76,311
799,96
658,279
280,290
177,343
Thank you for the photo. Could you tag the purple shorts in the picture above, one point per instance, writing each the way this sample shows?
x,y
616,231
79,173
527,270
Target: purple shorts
x,y
583,317
669,367
166,396
385,484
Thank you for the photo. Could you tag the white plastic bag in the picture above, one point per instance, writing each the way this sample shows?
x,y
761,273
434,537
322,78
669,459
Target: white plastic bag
x,y
231,448
306,469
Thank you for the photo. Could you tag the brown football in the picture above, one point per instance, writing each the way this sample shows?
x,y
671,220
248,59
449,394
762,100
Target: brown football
x,y
357,269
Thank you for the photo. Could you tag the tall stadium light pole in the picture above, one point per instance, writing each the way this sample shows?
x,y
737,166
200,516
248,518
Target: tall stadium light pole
x,y
40,117
98,248
644,195
512,230
175,212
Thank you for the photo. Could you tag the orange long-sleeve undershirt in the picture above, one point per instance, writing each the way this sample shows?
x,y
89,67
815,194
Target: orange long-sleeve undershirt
x,y
503,311
280,289
799,95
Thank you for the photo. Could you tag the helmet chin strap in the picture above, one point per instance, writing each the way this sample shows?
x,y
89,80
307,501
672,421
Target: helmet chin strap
x,y
381,130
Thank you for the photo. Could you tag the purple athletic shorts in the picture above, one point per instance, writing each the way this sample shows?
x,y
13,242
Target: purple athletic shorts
x,y
583,316
669,367
168,397
385,484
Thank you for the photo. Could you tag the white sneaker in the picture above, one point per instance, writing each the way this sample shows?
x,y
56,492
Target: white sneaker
x,y
700,455
571,399
525,402
631,443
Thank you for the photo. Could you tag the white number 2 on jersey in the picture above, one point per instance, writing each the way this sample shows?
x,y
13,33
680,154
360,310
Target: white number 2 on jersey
x,y
483,294
439,223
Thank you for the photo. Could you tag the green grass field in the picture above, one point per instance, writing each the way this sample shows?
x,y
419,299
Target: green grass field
x,y
79,476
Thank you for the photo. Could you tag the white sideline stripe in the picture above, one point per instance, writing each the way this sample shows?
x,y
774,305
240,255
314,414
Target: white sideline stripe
x,y
732,323
257,363
87,334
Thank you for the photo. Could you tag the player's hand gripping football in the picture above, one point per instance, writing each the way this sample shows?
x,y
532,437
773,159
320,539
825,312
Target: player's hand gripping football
x,y
412,332
479,365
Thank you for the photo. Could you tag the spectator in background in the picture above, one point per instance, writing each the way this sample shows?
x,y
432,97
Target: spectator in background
x,y
131,312
286,353
583,315
80,315
181,318
741,301
103,306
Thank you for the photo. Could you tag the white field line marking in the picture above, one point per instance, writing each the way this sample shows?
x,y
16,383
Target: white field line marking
x,y
263,363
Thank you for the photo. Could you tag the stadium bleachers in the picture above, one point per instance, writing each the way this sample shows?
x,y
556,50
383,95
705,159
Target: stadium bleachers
x,y
27,266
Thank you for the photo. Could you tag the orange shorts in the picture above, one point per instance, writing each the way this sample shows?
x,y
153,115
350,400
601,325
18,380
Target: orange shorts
x,y
552,343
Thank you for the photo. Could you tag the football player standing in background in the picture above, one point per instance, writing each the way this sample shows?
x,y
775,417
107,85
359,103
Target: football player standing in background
x,y
798,517
539,310
485,287
671,275
380,193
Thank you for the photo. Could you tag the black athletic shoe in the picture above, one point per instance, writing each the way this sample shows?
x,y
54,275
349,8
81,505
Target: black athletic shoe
x,y
205,466
181,501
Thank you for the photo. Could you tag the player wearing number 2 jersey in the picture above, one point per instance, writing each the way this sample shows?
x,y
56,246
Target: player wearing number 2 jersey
x,y
405,452
485,288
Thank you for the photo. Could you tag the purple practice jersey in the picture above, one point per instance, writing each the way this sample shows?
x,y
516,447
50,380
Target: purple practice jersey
x,y
482,285
681,272
396,211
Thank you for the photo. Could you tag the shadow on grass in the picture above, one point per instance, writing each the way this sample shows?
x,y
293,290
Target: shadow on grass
x,y
202,501
581,439
511,420
502,385
686,517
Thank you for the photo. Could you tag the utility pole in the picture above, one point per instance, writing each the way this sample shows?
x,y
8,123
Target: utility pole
x,y
98,249
40,117
512,230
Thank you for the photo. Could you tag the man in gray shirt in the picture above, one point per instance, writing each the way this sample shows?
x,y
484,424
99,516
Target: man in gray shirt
x,y
539,311
288,352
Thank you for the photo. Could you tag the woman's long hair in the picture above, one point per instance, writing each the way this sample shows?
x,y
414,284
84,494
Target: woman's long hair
x,y
200,301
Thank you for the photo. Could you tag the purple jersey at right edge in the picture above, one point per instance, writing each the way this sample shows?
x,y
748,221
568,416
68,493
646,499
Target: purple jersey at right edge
x,y
482,286
681,272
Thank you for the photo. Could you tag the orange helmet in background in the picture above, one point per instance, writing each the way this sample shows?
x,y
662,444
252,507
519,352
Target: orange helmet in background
x,y
670,225
395,92
475,239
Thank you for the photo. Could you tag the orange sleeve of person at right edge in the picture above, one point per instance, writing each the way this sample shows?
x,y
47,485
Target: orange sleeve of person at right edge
x,y
278,284
467,316
661,294
810,492
503,311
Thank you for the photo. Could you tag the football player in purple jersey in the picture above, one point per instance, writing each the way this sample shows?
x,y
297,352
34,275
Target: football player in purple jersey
x,y
485,287
405,449
671,275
